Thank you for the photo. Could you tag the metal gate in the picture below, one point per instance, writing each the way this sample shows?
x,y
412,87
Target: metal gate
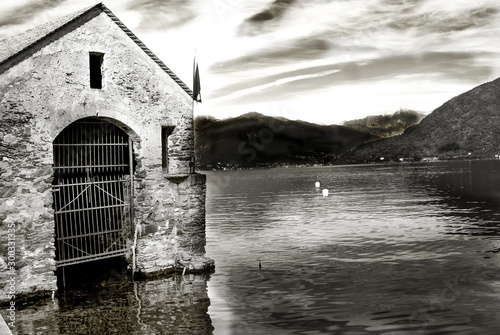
x,y
92,191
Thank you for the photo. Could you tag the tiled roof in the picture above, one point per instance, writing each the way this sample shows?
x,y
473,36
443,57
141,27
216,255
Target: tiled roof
x,y
12,46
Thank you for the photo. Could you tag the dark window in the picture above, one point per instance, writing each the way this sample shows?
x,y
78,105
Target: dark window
x,y
166,131
96,70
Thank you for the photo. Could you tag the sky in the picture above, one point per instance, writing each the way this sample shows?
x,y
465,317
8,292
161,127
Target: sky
x,y
322,61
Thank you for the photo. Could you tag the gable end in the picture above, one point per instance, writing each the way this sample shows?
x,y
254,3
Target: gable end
x,y
18,46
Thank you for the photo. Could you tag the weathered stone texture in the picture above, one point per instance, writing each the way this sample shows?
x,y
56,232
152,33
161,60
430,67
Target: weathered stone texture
x,y
47,88
175,227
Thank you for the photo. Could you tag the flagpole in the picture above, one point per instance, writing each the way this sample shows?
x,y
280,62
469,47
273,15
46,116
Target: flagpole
x,y
192,163
193,160
195,97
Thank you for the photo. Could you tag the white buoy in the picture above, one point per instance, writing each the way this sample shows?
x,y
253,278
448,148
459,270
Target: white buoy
x,y
325,192
317,184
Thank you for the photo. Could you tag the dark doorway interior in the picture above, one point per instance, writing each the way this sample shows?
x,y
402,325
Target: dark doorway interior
x,y
92,192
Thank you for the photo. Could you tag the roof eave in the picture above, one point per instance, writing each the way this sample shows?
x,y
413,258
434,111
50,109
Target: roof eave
x,y
144,48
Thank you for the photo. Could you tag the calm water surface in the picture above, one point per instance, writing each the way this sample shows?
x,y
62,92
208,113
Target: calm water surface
x,y
394,249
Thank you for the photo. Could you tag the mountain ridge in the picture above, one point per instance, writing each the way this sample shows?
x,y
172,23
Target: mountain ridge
x,y
257,140
465,126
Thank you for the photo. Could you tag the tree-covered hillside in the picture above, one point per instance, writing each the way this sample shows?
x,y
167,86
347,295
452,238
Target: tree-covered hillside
x,y
386,125
254,140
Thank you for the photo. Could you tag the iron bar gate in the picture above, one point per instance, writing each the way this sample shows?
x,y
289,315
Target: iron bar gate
x,y
92,191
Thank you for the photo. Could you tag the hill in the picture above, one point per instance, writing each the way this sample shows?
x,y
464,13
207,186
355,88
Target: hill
x,y
465,126
254,139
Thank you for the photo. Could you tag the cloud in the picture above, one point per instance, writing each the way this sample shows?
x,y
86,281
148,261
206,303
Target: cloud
x,y
257,22
158,15
470,19
354,30
443,66
277,83
275,10
25,12
388,36
442,21
275,54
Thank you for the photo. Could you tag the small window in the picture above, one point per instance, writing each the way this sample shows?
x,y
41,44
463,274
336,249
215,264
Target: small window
x,y
166,131
96,60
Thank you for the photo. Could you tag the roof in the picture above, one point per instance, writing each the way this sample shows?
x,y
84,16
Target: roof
x,y
11,47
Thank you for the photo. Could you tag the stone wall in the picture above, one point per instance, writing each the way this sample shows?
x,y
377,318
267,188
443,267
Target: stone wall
x,y
175,227
45,89
25,207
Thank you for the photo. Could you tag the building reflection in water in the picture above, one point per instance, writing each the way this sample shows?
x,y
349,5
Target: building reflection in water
x,y
177,305
118,305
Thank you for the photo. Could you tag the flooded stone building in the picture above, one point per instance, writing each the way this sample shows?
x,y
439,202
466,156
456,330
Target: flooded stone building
x,y
96,142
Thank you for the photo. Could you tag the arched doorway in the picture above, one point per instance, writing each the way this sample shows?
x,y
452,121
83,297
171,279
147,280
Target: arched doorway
x,y
92,191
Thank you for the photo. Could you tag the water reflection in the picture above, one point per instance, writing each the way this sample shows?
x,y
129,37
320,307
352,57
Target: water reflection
x,y
380,255
114,304
470,193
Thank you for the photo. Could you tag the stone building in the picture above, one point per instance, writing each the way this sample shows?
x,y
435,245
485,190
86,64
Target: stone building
x,y
96,143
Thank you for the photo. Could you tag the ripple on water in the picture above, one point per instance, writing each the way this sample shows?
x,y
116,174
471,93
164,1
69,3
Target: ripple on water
x,y
376,256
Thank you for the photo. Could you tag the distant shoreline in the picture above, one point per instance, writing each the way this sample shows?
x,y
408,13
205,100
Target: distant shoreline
x,y
384,162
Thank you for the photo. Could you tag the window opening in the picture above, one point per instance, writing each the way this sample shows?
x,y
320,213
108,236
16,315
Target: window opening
x,y
96,60
166,131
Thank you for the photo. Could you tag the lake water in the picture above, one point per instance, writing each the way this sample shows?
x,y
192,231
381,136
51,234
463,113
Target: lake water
x,y
394,249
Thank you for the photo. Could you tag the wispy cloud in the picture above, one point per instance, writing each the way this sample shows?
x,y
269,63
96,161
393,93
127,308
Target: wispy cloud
x,y
275,54
437,21
276,83
259,22
26,11
275,11
162,14
444,66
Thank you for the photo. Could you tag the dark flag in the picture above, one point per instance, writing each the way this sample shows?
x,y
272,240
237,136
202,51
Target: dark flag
x,y
196,84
